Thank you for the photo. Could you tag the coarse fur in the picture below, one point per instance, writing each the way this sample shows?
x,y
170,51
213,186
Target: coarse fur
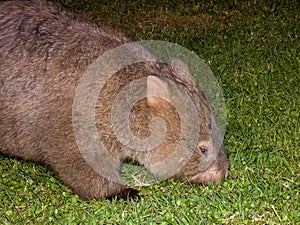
x,y
44,52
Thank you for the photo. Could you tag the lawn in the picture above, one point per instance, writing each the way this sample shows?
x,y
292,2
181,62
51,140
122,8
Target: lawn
x,y
253,48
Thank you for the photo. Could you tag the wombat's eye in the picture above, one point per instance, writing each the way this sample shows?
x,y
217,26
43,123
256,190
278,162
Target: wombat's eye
x,y
203,149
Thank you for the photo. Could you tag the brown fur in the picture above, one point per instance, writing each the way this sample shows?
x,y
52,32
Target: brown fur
x,y
44,52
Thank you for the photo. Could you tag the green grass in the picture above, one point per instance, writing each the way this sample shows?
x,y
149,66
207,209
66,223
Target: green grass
x,y
253,48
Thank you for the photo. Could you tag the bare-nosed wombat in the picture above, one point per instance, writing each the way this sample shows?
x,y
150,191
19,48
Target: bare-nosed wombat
x,y
44,52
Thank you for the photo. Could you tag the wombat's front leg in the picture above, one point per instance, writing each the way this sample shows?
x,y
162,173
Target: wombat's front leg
x,y
74,171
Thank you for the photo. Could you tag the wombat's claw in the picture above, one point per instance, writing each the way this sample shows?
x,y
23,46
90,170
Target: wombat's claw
x,y
127,194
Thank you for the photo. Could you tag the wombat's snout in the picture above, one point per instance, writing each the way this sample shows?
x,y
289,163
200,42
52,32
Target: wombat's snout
x,y
216,170
221,164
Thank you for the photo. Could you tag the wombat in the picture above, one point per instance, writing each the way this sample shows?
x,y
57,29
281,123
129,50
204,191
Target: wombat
x,y
45,50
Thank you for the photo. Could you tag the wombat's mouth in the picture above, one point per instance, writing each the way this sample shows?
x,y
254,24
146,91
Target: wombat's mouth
x,y
215,176
216,172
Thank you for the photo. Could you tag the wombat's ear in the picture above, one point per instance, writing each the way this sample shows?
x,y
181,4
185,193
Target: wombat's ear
x,y
182,70
157,87
178,64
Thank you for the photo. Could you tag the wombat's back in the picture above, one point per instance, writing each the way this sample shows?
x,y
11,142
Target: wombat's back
x,y
44,51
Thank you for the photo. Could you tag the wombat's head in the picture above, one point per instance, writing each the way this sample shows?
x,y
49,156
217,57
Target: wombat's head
x,y
204,161
169,127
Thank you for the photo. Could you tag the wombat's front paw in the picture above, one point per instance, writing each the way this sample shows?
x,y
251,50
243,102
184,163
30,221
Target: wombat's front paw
x,y
127,194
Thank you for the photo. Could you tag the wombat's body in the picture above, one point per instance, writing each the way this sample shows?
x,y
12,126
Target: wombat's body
x,y
44,53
